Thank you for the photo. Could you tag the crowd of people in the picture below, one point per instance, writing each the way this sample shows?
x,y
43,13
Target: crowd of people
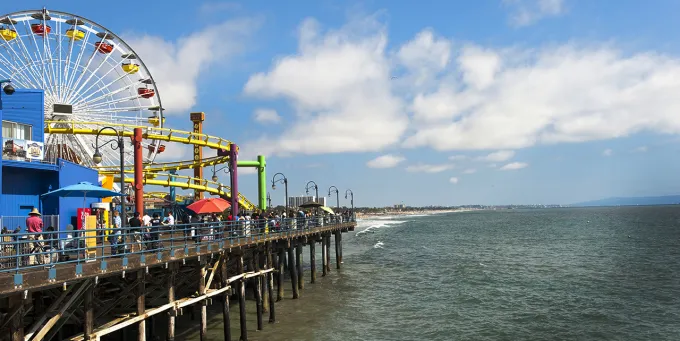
x,y
142,232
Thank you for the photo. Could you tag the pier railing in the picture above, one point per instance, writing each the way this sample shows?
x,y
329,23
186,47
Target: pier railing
x,y
24,251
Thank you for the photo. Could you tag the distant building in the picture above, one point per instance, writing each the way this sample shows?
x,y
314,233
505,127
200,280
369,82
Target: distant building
x,y
297,201
399,206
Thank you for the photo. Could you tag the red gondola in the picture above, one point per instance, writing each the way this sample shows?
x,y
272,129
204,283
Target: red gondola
x,y
161,148
41,29
104,48
146,92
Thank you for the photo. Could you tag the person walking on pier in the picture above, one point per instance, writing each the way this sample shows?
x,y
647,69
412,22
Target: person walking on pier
x,y
114,236
135,226
34,226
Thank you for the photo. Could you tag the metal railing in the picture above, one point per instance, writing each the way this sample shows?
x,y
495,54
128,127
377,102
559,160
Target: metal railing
x,y
11,223
24,251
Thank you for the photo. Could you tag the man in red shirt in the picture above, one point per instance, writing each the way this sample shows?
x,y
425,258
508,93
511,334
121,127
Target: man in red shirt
x,y
34,226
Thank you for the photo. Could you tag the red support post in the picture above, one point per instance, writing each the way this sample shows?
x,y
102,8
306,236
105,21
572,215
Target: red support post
x,y
139,171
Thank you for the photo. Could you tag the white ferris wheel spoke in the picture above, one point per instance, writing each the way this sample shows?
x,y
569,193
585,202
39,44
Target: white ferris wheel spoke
x,y
88,83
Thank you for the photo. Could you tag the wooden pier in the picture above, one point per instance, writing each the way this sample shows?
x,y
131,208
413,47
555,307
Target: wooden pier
x,y
126,298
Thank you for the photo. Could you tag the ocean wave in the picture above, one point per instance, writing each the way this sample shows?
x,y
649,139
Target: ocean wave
x,y
369,226
379,245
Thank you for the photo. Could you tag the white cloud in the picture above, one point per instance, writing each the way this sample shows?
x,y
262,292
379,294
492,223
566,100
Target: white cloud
x,y
453,180
527,12
499,156
607,152
549,95
514,166
339,84
460,96
458,157
177,65
266,116
425,168
425,56
385,161
470,171
640,149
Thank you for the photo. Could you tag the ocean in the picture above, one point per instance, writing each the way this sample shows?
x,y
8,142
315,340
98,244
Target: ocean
x,y
546,274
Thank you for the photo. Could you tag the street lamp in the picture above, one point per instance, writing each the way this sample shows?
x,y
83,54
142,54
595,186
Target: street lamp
x,y
214,171
351,200
8,89
316,189
97,159
283,180
337,196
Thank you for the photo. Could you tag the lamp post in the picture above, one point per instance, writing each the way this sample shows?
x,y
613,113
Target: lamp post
x,y
97,158
7,89
351,200
316,189
283,180
214,172
337,196
269,200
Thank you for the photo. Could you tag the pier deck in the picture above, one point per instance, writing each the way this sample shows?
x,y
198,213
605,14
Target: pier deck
x,y
101,296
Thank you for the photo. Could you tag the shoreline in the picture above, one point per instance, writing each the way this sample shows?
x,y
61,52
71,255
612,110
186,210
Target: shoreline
x,y
360,215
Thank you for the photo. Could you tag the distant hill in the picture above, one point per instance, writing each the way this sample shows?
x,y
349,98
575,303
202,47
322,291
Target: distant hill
x,y
633,201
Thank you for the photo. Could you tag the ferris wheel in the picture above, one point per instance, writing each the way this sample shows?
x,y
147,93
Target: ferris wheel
x,y
88,74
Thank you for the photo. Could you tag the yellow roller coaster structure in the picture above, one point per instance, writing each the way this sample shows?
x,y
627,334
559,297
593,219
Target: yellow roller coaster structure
x,y
187,182
154,172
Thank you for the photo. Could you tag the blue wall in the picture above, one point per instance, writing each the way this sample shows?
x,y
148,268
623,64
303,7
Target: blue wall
x,y
26,106
21,191
22,185
71,174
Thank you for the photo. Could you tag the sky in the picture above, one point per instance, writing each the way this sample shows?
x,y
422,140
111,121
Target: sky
x,y
421,102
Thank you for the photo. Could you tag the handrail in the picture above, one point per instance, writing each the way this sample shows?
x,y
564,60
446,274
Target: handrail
x,y
153,133
26,251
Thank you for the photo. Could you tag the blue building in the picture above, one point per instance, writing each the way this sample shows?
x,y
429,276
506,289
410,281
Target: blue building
x,y
24,172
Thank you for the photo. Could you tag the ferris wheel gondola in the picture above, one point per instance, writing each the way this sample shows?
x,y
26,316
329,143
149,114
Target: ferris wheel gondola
x,y
87,73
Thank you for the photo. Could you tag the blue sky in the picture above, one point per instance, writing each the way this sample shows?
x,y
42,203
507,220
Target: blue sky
x,y
428,102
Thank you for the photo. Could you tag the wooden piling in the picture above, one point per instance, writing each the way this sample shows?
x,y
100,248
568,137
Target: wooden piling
x,y
141,304
298,265
203,304
281,258
225,299
270,280
242,300
172,275
258,290
312,260
328,252
324,250
338,252
264,280
88,307
293,273
16,327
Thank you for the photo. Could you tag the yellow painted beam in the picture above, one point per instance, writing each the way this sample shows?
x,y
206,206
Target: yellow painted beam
x,y
204,185
152,133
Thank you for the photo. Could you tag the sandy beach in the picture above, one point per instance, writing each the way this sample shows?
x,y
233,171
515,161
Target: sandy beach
x,y
410,212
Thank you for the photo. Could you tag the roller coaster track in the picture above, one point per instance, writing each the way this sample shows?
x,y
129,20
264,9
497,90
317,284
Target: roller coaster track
x,y
166,166
153,171
187,182
163,195
152,133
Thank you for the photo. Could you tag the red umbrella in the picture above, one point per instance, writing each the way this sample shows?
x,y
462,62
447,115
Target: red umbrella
x,y
209,205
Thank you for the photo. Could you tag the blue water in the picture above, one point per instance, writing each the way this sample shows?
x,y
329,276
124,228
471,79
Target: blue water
x,y
553,274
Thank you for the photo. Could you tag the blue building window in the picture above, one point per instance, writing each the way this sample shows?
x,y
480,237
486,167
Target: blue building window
x,y
14,130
